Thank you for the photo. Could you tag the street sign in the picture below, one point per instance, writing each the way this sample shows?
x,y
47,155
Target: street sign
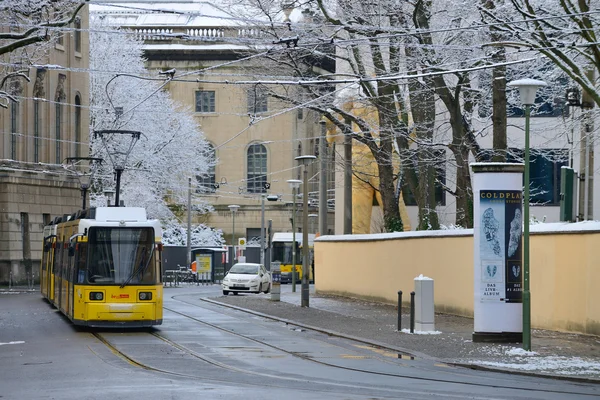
x,y
242,243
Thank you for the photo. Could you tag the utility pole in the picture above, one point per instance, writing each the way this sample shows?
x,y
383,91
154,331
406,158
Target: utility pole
x,y
586,164
323,181
189,224
262,229
348,179
304,294
305,288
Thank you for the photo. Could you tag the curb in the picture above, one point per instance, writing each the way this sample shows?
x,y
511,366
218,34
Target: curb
x,y
403,351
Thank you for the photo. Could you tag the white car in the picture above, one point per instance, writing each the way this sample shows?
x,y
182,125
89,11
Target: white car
x,y
247,277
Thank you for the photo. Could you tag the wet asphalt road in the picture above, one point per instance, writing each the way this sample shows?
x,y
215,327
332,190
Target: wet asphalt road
x,y
206,351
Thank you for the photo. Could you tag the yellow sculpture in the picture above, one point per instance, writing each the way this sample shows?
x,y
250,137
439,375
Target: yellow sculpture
x,y
365,172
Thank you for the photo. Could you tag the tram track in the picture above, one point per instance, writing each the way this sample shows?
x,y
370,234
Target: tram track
x,y
392,393
271,380
365,371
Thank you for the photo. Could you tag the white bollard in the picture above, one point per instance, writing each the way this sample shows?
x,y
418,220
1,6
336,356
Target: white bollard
x,y
424,310
275,281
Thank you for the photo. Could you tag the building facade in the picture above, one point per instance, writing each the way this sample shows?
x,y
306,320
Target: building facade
x,y
48,123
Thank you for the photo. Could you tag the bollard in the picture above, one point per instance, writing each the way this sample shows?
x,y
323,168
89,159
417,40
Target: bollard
x,y
399,310
412,312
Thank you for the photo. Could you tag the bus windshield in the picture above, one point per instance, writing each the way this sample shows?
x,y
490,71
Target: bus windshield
x,y
282,252
119,255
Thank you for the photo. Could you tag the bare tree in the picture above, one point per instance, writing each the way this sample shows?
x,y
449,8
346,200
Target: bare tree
x,y
563,31
27,28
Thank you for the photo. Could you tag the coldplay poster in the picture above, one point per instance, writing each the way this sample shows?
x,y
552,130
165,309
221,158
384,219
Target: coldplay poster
x,y
500,246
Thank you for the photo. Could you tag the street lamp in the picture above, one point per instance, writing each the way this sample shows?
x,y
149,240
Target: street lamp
x,y
84,178
305,160
527,89
294,184
233,209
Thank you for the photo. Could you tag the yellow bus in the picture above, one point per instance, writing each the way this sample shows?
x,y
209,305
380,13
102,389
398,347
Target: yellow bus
x,y
101,267
282,247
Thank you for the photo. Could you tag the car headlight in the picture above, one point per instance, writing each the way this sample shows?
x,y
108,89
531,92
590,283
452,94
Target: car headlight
x,y
226,279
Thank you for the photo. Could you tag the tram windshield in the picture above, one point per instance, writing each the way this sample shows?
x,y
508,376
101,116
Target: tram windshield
x,y
282,252
121,256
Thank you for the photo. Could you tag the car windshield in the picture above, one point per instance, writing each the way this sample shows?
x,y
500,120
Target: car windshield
x,y
244,269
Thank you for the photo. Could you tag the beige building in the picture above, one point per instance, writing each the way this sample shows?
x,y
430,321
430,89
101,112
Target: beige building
x,y
49,123
253,139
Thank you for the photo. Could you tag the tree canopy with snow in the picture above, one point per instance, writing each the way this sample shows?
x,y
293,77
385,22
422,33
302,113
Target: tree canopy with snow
x,y
124,96
201,235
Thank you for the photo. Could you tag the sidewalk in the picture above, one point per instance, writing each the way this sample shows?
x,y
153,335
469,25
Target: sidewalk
x,y
556,354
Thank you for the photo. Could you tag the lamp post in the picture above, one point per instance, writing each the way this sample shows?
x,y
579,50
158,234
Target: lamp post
x,y
527,89
305,160
84,178
233,209
294,184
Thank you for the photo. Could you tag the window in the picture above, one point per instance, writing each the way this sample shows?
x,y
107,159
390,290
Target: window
x,y
257,100
207,182
205,101
77,35
543,107
77,126
60,39
14,128
439,160
36,131
58,123
257,168
544,173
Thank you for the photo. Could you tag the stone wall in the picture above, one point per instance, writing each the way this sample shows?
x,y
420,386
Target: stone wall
x,y
30,196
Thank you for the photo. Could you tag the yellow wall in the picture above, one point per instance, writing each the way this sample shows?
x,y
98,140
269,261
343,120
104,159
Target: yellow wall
x,y
564,270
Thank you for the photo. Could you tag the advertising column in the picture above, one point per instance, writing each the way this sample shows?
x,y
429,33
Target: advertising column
x,y
498,255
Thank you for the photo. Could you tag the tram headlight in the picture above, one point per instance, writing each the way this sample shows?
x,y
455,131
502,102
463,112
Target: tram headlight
x,y
96,296
145,296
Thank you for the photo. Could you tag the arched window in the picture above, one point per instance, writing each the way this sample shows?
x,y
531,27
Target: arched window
x,y
257,168
77,126
207,183
58,127
14,128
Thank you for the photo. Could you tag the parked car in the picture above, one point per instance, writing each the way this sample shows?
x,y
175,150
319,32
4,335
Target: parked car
x,y
247,277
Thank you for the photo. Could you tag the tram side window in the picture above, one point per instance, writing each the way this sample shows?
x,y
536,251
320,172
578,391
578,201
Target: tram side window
x,y
45,254
81,255
57,253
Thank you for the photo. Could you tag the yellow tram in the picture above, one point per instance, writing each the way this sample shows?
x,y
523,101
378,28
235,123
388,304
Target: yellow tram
x,y
283,247
101,267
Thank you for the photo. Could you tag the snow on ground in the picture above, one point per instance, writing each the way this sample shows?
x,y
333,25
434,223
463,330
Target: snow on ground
x,y
516,358
551,364
421,332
